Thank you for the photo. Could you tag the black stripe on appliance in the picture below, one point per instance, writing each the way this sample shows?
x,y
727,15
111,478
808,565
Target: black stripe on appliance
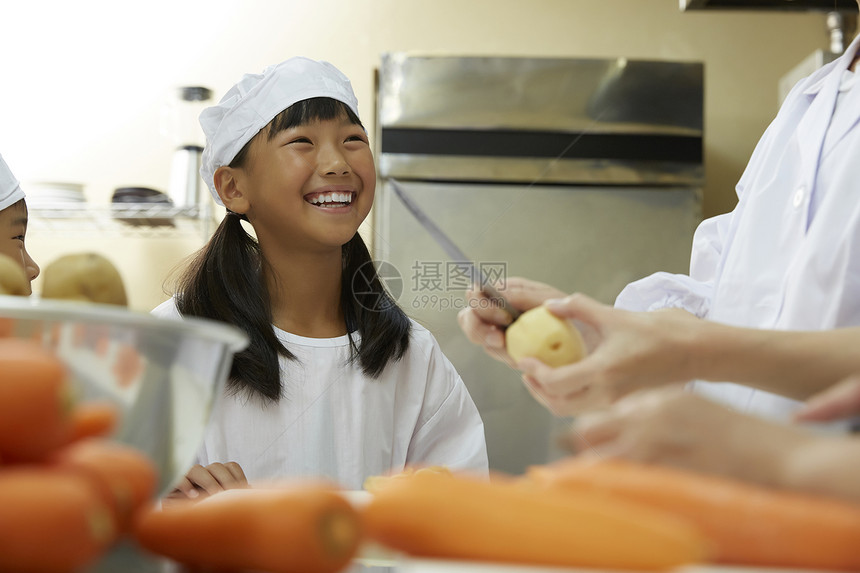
x,y
567,145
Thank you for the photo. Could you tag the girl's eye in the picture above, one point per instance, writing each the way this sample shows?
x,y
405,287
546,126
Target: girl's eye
x,y
19,238
300,140
357,138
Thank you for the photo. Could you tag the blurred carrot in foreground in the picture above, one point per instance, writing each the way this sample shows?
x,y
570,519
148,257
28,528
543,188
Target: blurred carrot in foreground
x,y
124,475
748,524
93,419
35,401
51,522
455,517
67,493
296,528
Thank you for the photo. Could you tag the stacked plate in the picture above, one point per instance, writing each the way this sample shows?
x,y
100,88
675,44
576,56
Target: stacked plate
x,y
45,195
141,206
140,195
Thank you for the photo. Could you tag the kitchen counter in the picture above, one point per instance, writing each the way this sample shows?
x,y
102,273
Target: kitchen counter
x,y
376,560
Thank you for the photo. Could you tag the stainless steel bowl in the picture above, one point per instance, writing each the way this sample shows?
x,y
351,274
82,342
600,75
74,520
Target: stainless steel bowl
x,y
164,375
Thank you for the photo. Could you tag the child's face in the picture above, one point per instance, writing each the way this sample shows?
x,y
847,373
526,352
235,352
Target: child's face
x,y
309,186
13,229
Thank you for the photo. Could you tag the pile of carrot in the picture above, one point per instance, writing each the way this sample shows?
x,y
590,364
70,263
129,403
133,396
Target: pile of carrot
x,y
613,514
67,492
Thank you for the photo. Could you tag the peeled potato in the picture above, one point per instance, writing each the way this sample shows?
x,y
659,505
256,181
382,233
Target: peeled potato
x,y
540,334
375,483
86,277
13,279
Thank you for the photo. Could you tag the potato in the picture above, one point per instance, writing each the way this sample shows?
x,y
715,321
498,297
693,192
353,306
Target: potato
x,y
86,277
13,279
540,334
375,483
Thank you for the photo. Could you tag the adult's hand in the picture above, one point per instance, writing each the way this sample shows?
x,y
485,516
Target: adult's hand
x,y
674,427
835,403
483,322
626,351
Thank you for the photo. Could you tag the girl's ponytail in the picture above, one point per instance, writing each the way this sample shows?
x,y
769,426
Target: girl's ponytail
x,y
224,282
371,311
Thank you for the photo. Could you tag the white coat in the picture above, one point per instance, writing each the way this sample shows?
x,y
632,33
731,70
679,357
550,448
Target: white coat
x,y
334,422
788,255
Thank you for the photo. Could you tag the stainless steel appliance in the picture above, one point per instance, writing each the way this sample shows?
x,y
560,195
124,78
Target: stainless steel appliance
x,y
582,173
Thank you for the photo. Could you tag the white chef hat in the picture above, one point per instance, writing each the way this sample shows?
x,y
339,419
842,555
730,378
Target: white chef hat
x,y
255,101
10,190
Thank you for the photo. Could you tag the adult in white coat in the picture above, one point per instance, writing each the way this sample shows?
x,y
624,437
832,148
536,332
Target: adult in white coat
x,y
788,256
785,258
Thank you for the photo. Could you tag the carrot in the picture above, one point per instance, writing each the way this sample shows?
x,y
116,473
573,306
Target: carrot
x,y
296,528
50,522
93,419
433,515
749,525
124,475
35,401
7,327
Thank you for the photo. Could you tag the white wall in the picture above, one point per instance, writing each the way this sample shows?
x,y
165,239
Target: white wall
x,y
85,83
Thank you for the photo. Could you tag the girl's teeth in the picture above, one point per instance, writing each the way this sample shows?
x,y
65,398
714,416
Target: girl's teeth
x,y
333,198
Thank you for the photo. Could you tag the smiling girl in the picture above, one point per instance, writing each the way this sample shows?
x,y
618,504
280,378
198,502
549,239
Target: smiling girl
x,y
337,382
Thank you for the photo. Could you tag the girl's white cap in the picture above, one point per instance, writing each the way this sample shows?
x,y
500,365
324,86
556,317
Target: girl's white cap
x,y
253,102
10,190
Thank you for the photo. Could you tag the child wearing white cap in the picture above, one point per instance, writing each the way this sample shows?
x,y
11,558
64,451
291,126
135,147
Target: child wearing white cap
x,y
13,223
337,381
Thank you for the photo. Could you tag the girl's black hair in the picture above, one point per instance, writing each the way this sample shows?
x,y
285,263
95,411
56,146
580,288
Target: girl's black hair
x,y
225,281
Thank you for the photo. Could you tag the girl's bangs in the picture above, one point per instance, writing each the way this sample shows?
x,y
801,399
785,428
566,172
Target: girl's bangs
x,y
310,110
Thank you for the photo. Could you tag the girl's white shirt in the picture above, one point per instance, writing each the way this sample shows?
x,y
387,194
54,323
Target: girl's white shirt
x,y
337,423
788,256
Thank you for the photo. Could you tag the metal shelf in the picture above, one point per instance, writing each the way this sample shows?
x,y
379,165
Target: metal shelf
x,y
125,219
